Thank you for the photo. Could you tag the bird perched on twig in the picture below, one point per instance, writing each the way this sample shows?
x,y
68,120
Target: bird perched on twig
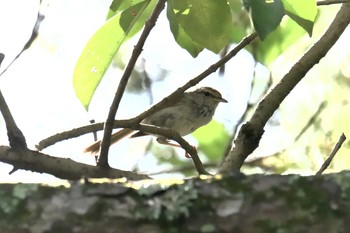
x,y
189,112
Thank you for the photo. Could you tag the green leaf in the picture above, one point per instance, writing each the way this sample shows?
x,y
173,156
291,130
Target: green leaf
x,y
179,33
287,33
266,15
240,21
120,5
212,140
207,22
103,45
303,12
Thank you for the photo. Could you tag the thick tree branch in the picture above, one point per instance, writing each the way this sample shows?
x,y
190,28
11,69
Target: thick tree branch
x,y
103,158
60,167
251,132
251,204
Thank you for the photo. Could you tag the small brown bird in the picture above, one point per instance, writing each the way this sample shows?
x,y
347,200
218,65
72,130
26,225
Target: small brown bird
x,y
191,111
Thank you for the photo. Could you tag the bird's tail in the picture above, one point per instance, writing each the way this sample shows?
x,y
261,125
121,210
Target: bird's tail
x,y
95,147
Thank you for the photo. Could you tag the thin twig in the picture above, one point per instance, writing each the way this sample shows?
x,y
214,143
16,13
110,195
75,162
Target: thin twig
x,y
328,161
2,56
173,135
330,2
103,158
312,120
15,135
73,133
33,36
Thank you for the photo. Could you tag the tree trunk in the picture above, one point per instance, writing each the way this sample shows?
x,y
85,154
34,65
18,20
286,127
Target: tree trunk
x,y
229,204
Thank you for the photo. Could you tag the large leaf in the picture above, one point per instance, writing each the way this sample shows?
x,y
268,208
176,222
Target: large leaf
x,y
207,22
266,15
104,44
240,21
303,12
120,5
179,33
278,41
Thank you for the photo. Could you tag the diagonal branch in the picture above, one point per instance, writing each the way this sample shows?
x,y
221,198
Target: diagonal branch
x,y
328,161
312,120
33,36
251,132
103,158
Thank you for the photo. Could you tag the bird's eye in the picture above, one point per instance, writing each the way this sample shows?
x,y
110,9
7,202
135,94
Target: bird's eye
x,y
206,93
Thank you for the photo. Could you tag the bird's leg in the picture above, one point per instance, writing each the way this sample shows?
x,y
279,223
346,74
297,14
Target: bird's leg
x,y
164,141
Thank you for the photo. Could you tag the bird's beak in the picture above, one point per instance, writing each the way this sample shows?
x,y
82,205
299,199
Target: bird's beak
x,y
223,100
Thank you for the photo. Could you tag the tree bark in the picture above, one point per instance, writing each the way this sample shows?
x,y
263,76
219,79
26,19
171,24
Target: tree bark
x,y
256,203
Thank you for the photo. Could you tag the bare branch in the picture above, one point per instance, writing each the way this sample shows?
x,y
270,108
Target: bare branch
x,y
69,134
332,154
103,158
60,167
251,132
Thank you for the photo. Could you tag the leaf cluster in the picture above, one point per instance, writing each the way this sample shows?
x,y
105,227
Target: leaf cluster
x,y
195,25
